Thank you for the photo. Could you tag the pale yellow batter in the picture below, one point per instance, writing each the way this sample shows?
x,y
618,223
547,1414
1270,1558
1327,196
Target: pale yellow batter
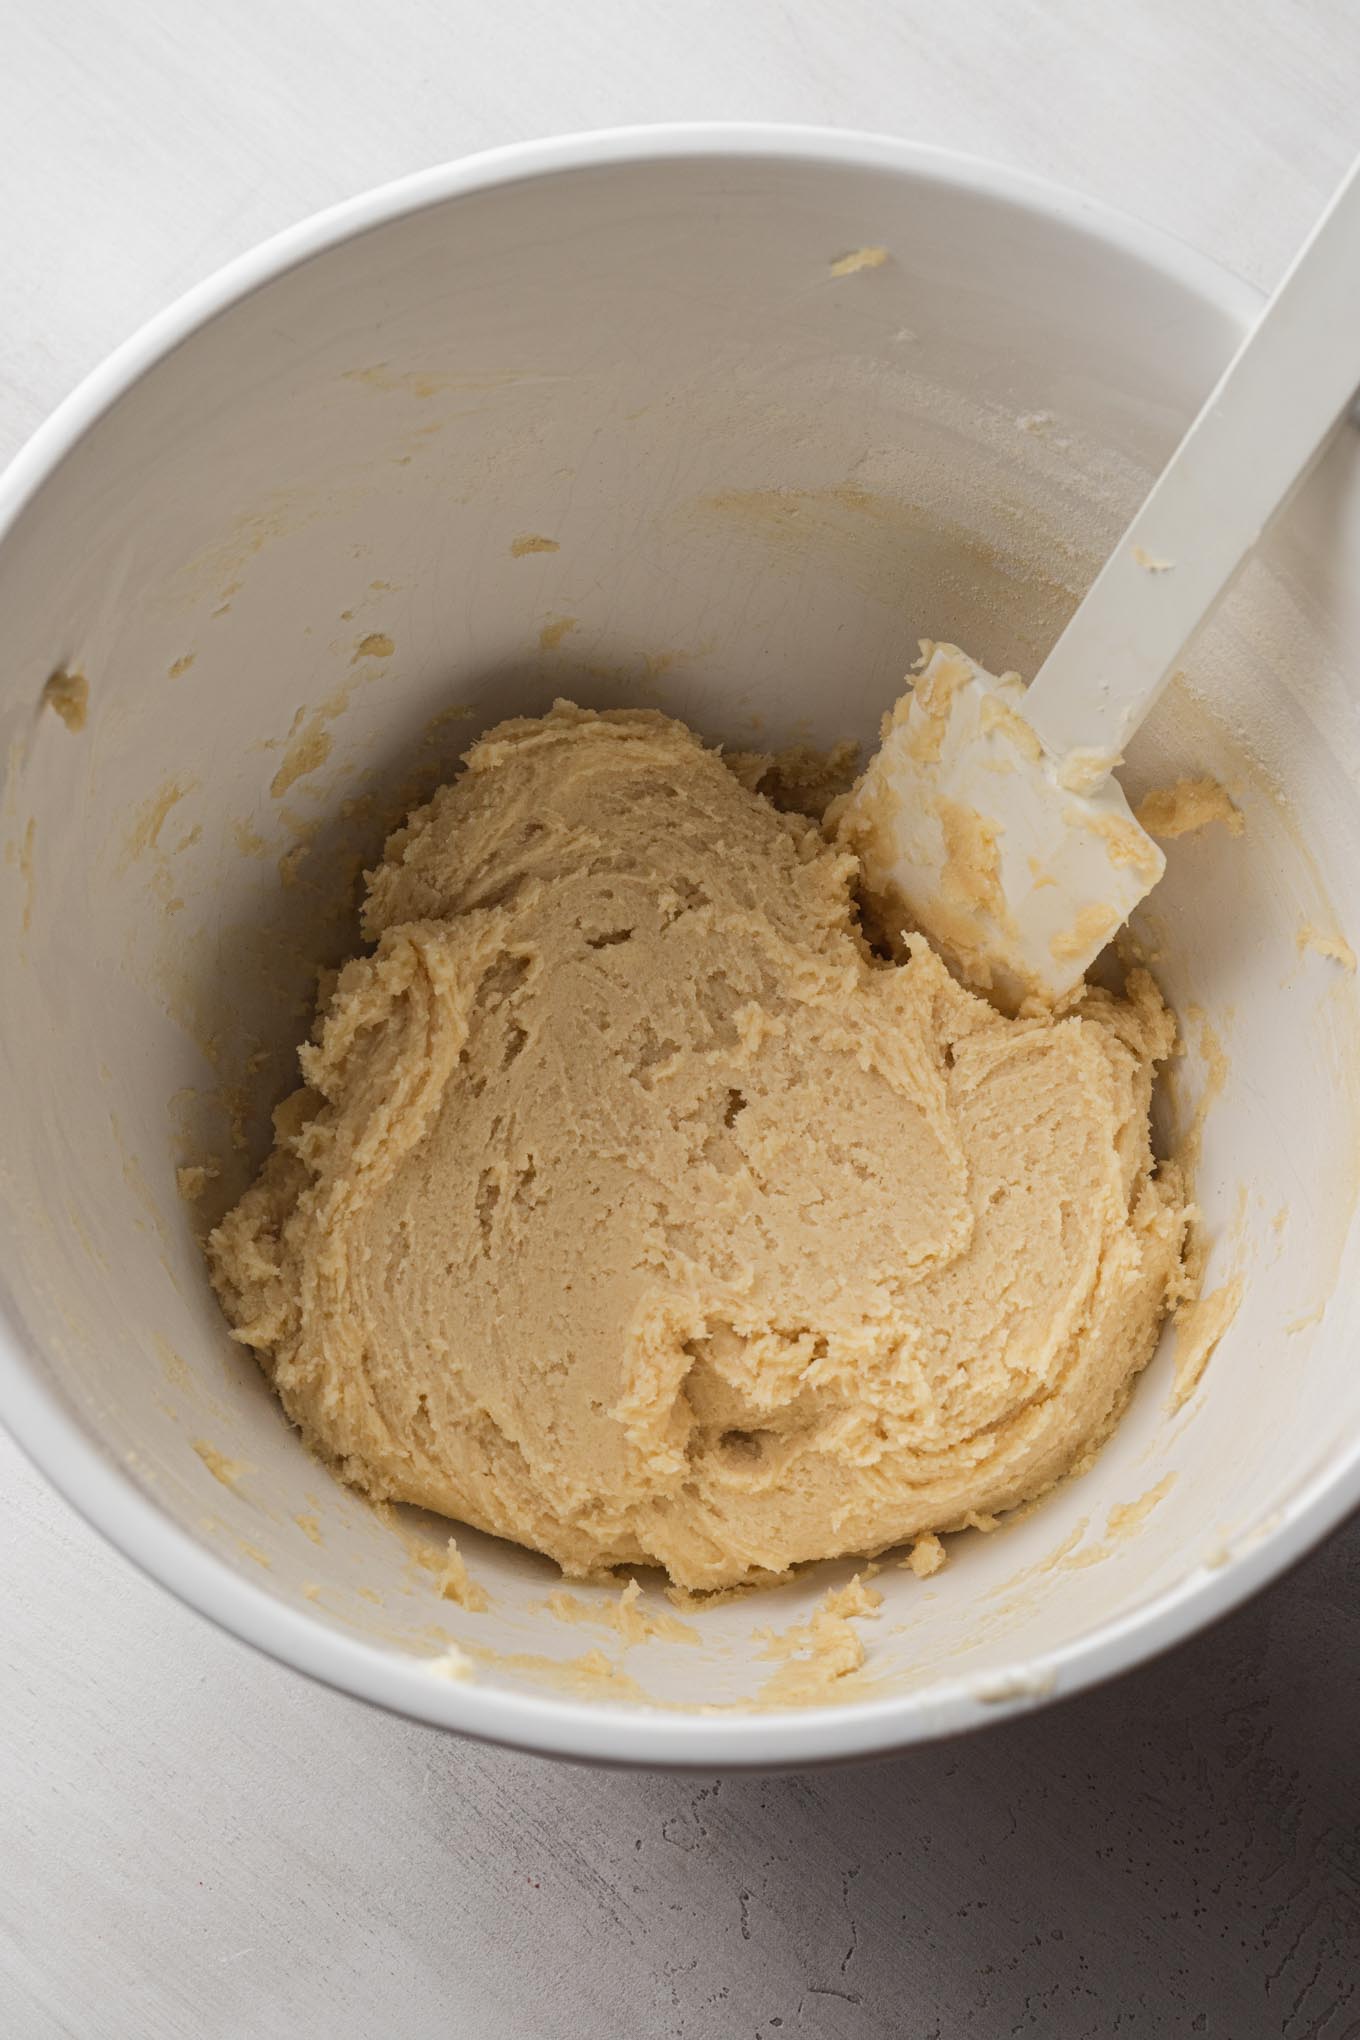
x,y
636,1211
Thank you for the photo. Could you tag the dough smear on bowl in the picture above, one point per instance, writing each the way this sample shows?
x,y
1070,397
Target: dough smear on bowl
x,y
637,1211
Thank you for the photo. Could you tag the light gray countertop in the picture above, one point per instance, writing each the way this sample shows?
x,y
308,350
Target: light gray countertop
x,y
195,1842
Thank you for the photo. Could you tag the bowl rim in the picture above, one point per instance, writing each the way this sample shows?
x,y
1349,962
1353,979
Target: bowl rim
x,y
630,1734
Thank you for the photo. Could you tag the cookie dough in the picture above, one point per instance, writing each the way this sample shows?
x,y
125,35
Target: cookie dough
x,y
1188,806
636,1210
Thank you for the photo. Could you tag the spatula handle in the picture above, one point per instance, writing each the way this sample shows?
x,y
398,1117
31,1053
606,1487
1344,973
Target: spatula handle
x,y
1258,433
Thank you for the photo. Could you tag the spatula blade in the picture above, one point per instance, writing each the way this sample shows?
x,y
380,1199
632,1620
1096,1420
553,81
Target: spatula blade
x,y
967,833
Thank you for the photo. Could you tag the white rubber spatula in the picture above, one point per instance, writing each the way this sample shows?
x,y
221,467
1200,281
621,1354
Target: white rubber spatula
x,y
989,818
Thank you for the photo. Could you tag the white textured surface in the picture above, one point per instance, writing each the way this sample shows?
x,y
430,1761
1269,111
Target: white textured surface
x,y
198,1843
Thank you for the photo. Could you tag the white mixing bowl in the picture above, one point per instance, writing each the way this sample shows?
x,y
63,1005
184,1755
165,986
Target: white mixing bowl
x,y
283,536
